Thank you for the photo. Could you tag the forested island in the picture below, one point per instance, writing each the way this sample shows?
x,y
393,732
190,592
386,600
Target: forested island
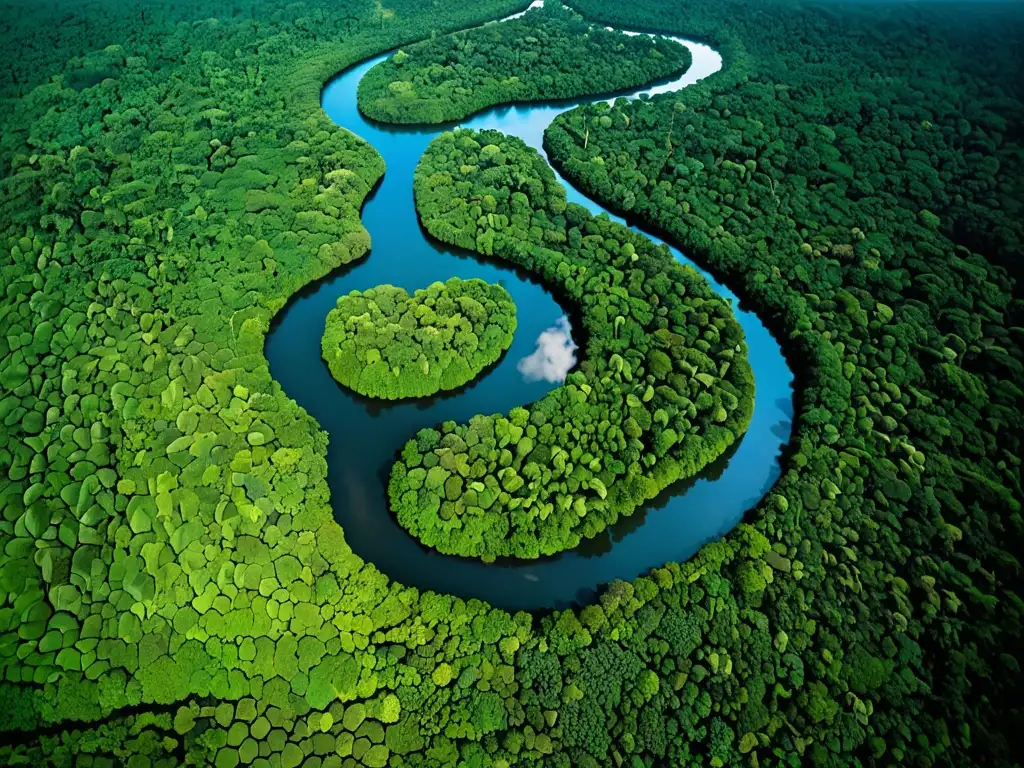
x,y
385,343
548,53
174,587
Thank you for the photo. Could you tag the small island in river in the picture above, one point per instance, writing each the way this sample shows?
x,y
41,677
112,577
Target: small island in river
x,y
387,344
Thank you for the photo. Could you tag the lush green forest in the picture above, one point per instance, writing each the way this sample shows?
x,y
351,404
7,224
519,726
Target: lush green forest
x,y
549,53
385,343
173,586
664,389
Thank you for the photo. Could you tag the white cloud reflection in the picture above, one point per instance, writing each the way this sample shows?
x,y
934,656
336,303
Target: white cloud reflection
x,y
554,357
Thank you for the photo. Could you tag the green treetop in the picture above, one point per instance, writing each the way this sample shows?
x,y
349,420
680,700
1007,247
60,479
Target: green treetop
x,y
385,343
549,53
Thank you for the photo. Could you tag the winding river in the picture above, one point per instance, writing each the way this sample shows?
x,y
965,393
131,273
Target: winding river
x,y
365,435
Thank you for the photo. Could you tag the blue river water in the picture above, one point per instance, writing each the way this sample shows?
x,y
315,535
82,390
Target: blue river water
x,y
366,435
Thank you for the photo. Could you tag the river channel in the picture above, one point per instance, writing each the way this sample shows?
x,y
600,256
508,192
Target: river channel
x,y
365,435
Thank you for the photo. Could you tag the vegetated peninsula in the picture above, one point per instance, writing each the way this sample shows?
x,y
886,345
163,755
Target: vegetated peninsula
x,y
387,344
548,53
664,389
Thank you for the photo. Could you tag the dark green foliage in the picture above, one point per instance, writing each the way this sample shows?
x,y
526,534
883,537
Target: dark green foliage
x,y
549,53
663,353
849,213
385,343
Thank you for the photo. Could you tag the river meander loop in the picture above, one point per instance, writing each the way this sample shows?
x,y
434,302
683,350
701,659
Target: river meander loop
x,y
366,435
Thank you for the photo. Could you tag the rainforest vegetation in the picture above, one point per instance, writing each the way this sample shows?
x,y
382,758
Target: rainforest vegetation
x,y
664,389
549,53
880,228
173,586
385,343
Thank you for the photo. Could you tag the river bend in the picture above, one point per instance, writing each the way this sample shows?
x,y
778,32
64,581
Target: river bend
x,y
365,435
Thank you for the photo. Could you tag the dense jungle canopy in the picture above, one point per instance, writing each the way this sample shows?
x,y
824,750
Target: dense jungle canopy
x,y
385,343
173,586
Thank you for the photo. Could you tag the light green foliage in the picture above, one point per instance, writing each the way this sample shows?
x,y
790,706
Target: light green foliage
x,y
549,53
385,343
442,674
663,390
165,534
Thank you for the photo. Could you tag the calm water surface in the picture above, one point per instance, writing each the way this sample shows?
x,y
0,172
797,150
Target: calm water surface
x,y
365,435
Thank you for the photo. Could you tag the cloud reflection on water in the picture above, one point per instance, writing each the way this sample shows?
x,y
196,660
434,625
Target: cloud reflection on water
x,y
554,357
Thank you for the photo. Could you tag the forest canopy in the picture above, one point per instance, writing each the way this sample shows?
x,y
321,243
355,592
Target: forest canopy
x,y
385,343
871,224
548,53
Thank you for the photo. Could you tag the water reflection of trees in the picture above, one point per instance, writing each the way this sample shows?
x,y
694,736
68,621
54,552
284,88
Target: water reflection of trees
x,y
602,544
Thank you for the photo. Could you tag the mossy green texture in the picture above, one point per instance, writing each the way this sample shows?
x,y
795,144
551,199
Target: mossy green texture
x,y
664,387
385,343
549,53
173,586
